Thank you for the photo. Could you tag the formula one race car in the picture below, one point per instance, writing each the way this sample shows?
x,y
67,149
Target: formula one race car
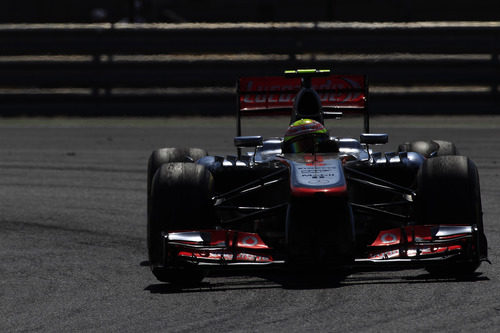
x,y
309,201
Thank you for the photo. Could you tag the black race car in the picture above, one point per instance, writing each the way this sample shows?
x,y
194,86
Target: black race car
x,y
311,202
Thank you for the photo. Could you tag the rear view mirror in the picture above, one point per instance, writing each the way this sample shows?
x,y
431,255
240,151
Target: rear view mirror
x,y
248,141
332,114
374,138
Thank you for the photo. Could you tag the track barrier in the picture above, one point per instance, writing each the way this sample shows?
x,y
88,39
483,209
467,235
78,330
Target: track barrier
x,y
191,68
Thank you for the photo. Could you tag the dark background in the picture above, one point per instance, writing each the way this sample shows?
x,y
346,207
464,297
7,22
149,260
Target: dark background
x,y
40,11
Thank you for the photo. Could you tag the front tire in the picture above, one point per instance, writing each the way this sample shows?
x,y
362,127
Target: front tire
x,y
180,200
449,193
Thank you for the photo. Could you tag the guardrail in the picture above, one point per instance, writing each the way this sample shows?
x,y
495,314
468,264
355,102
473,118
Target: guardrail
x,y
420,67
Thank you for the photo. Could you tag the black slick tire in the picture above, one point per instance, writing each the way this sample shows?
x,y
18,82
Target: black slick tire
x,y
180,200
448,192
170,155
430,148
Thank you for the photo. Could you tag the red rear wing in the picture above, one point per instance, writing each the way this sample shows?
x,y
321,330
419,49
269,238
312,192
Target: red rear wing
x,y
276,93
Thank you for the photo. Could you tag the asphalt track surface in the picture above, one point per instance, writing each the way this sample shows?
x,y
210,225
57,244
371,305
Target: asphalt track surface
x,y
73,238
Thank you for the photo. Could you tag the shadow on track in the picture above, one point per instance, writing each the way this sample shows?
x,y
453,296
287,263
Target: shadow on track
x,y
246,280
418,279
166,288
244,283
286,279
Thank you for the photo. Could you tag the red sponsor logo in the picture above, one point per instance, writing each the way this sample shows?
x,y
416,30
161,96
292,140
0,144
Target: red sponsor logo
x,y
388,237
314,160
269,92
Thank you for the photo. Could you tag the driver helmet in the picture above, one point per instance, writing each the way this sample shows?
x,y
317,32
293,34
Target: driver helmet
x,y
305,136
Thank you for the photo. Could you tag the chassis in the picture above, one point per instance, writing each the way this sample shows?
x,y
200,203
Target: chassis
x,y
418,207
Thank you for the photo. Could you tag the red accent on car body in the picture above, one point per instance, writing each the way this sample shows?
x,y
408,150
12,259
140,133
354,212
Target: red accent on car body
x,y
314,160
229,238
391,244
328,191
222,245
226,255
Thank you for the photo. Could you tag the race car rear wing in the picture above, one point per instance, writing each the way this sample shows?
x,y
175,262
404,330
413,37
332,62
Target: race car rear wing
x,y
275,95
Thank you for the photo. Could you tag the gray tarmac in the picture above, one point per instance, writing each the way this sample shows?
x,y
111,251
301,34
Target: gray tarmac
x,y
73,237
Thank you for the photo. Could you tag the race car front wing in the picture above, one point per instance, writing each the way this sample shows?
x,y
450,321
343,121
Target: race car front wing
x,y
409,246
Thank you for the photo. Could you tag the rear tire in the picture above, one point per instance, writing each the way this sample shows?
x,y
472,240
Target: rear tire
x,y
449,193
170,155
180,200
446,148
430,148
